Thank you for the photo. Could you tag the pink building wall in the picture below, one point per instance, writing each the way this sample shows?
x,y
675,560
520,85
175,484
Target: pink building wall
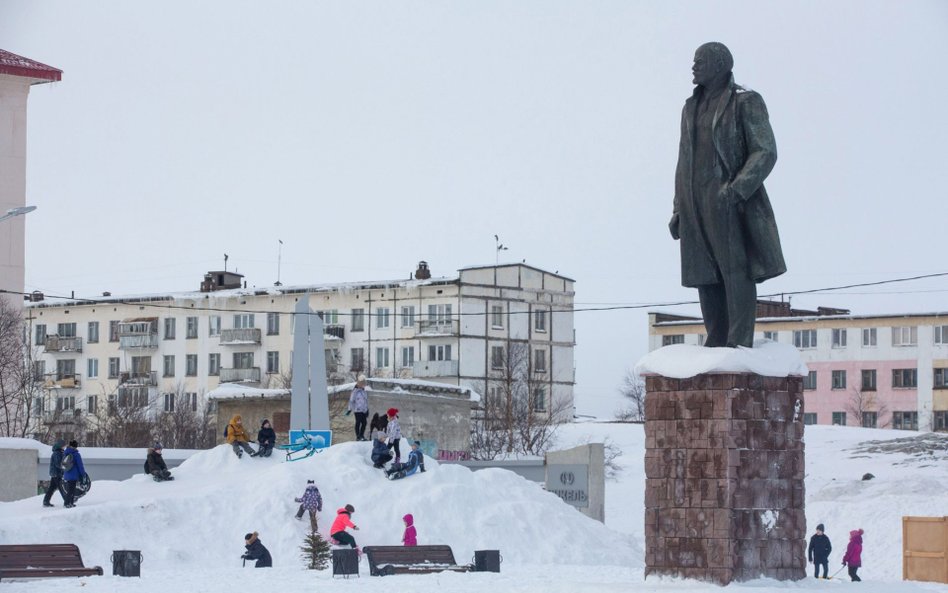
x,y
824,400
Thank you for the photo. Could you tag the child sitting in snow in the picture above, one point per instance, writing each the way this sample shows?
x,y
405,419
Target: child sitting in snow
x,y
410,538
415,463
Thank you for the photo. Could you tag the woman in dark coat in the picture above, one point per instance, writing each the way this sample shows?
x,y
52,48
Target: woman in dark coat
x,y
256,551
266,437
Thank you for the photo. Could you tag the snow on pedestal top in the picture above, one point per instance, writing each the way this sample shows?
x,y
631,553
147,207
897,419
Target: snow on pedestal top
x,y
681,361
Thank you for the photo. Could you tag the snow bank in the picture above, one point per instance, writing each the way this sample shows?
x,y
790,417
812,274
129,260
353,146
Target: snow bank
x,y
680,361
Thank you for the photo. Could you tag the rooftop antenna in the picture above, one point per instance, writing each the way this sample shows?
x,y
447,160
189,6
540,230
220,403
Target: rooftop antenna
x,y
225,262
499,247
279,258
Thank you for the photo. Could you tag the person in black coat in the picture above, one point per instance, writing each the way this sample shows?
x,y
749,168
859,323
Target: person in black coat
x,y
818,552
266,438
156,466
256,551
55,472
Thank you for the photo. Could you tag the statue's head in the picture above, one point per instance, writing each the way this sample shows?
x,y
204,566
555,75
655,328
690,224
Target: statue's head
x,y
712,61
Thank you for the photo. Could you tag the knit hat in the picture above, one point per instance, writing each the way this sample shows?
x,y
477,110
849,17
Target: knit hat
x,y
360,379
59,444
820,527
310,482
393,412
250,537
73,443
265,421
350,509
157,446
416,443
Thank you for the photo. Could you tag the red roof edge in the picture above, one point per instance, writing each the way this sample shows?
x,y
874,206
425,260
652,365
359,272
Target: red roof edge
x,y
15,65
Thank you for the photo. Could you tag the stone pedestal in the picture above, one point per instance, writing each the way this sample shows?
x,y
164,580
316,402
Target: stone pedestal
x,y
724,492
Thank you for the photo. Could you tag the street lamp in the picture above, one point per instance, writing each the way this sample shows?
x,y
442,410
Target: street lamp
x,y
17,212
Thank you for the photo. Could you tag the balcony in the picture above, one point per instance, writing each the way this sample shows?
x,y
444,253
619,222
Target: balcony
x,y
149,378
133,396
55,343
62,381
437,327
435,368
251,375
240,336
334,331
138,334
68,416
138,342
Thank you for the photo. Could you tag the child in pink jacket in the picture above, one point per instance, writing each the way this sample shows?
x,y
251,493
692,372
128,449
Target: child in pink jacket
x,y
410,538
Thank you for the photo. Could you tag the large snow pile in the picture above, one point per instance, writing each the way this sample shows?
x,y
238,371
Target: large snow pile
x,y
201,517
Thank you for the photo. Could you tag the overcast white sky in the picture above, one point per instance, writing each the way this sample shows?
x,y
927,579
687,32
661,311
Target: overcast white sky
x,y
370,135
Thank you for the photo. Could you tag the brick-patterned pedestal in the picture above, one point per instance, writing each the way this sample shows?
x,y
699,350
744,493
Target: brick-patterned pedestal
x,y
724,477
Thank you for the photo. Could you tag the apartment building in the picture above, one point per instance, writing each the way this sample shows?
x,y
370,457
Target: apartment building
x,y
877,371
164,351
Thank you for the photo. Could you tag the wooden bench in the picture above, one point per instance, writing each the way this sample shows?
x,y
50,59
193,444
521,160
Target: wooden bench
x,y
43,560
386,560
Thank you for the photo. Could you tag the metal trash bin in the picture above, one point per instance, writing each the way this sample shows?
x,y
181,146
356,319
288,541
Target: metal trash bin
x,y
127,563
487,560
345,563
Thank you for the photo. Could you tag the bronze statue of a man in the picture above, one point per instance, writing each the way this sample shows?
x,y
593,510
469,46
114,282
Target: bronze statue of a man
x,y
722,215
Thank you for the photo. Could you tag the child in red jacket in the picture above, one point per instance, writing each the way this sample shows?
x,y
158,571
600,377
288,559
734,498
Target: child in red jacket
x,y
338,529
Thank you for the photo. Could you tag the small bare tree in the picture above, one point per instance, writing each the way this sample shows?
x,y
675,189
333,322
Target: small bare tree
x,y
867,401
189,425
633,390
127,418
19,389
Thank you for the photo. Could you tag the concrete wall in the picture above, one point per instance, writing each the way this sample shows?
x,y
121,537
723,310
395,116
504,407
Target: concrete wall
x,y
112,467
18,467
14,91
592,456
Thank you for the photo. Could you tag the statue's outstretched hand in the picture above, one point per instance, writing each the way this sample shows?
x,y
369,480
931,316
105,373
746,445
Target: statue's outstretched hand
x,y
673,226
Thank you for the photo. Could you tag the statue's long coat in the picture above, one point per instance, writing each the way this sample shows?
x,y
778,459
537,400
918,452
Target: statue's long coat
x,y
731,238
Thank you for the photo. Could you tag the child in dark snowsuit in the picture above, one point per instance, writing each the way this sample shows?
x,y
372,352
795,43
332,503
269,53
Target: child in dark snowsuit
x,y
818,552
311,501
156,466
266,437
380,451
853,557
415,463
256,551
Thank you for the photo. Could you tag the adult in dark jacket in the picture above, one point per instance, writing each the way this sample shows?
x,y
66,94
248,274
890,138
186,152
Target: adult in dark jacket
x,y
818,552
721,213
853,556
380,451
266,437
55,472
155,464
256,551
73,474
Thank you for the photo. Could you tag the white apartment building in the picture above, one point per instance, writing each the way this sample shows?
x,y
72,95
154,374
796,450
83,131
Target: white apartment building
x,y
165,351
885,371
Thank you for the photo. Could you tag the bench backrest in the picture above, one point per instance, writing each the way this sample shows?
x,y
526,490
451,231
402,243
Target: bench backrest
x,y
379,555
40,556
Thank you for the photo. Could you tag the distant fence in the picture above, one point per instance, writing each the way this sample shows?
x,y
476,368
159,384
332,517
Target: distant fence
x,y
925,549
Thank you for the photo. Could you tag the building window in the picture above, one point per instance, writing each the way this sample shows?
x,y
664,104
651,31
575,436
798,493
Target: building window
x,y
40,338
330,316
66,330
92,368
273,362
408,356
168,366
497,316
809,418
169,328
169,402
940,421
358,320
191,365
701,339
92,404
904,378
869,337
868,379
191,329
941,334
539,399
804,338
839,380
382,317
870,419
839,418
439,352
809,382
905,420
439,313
673,339
839,338
113,368
243,321
214,364
191,400
905,336
273,324
66,403
214,325
408,316
539,361
539,320
39,370
92,335
113,331
941,379
357,358
771,336
243,360
65,369
496,357
381,358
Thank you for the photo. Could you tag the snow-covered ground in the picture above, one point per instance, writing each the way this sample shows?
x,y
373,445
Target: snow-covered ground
x,y
190,531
